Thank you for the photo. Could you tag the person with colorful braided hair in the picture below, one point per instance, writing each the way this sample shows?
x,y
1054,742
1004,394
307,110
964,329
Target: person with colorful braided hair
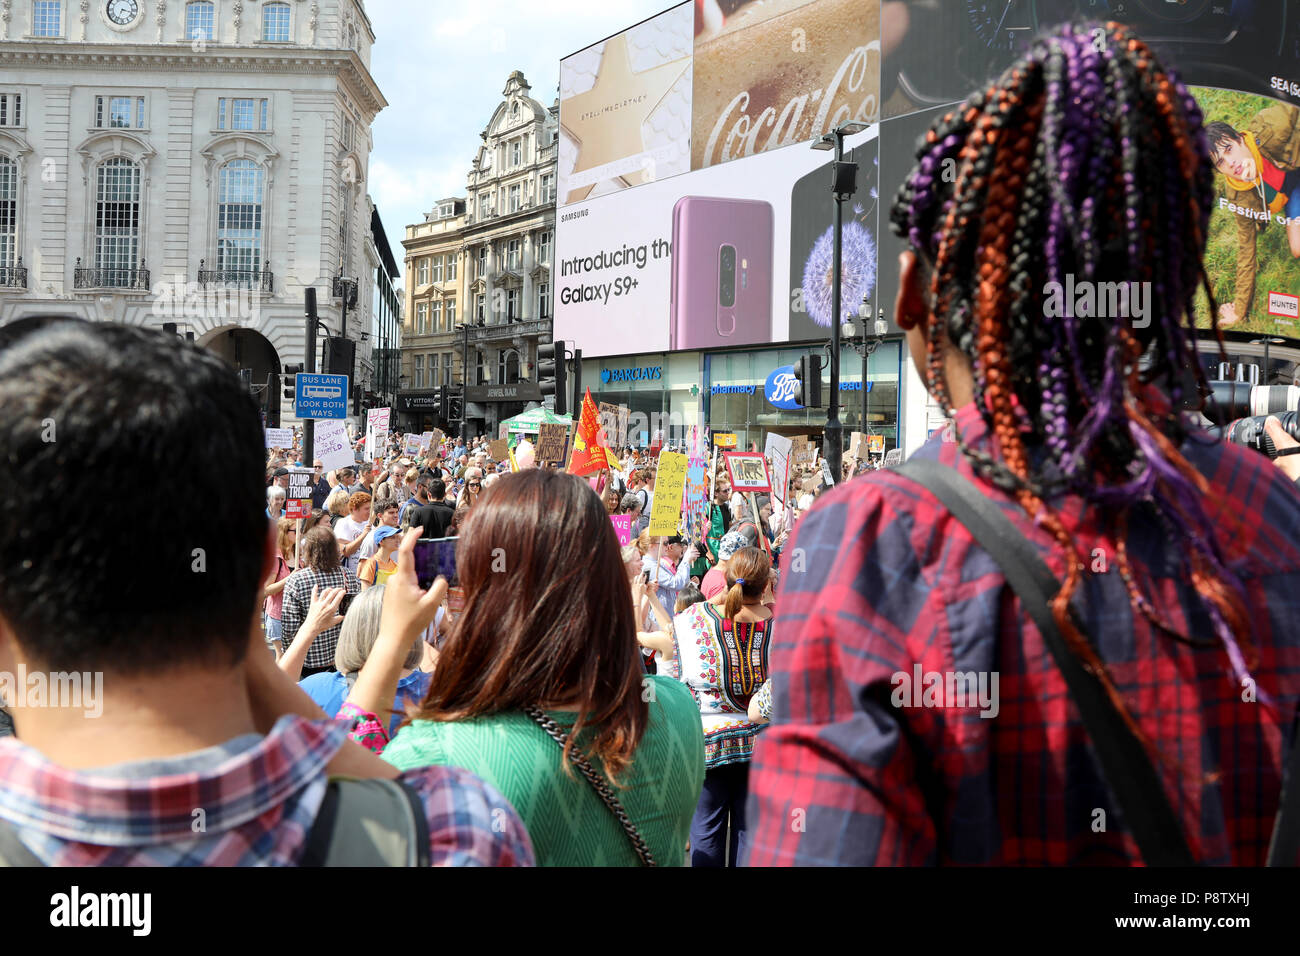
x,y
1085,163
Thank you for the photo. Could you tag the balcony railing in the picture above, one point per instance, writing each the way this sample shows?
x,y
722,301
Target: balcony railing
x,y
258,280
15,276
114,278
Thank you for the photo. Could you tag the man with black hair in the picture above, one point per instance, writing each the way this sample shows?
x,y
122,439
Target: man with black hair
x,y
1261,170
434,517
200,750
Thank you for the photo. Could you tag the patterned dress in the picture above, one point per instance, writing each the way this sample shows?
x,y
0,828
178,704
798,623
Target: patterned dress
x,y
722,663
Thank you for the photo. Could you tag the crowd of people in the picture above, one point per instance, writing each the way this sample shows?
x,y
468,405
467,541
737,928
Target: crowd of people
x,y
284,691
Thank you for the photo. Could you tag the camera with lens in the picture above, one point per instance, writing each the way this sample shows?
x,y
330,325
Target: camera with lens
x,y
727,276
1240,410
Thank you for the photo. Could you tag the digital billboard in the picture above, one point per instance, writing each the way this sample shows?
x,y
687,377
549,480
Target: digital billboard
x,y
692,213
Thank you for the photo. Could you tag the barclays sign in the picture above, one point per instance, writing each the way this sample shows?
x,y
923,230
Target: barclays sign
x,y
780,388
643,374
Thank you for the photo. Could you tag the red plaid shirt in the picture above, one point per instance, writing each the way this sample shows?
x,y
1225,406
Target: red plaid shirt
x,y
882,579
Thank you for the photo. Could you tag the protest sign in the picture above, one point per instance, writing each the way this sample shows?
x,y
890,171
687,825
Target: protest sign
x,y
279,438
608,415
779,449
332,446
498,448
622,528
426,442
624,413
748,471
412,445
726,440
804,452
670,486
695,502
827,477
298,504
858,446
893,457
550,443
876,444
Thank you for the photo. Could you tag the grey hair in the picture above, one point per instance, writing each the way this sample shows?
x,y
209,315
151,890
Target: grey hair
x,y
337,502
360,630
274,491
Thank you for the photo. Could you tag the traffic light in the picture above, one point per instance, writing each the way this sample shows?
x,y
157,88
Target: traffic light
x,y
552,375
455,408
340,356
290,372
808,380
441,396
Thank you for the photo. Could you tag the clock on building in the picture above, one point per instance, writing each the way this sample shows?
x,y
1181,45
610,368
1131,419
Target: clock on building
x,y
123,12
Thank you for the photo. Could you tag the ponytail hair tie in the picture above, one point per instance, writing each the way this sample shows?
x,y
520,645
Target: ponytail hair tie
x,y
740,580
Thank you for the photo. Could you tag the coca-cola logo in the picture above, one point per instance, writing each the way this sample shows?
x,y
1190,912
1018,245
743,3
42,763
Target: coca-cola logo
x,y
851,94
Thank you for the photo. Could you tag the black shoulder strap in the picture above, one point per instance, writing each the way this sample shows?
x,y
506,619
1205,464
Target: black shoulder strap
x,y
1125,764
1284,848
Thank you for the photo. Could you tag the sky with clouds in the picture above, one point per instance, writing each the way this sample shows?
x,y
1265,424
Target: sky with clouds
x,y
442,66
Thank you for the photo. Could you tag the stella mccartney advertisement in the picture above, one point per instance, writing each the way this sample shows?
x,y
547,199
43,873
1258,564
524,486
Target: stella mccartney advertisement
x,y
693,214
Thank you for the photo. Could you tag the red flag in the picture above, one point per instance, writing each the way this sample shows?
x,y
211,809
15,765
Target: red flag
x,y
588,454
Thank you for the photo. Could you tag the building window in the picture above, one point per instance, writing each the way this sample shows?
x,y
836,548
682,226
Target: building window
x,y
544,300
516,192
8,212
446,211
544,247
349,133
117,220
512,304
275,23
517,153
242,114
419,371
239,217
484,207
447,358
421,318
423,272
433,369
119,112
480,364
47,18
435,312
479,307
514,253
548,187
11,109
451,314
482,266
435,274
200,20
451,267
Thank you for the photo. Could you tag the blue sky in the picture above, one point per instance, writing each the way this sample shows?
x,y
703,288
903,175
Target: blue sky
x,y
442,66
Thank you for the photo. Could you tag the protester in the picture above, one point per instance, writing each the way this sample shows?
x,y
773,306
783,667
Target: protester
x,y
1176,556
273,593
467,498
667,561
715,581
380,567
321,485
357,638
350,531
274,503
384,515
193,714
435,517
543,651
723,657
321,568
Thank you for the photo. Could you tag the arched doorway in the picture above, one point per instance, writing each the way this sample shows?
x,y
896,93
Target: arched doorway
x,y
253,355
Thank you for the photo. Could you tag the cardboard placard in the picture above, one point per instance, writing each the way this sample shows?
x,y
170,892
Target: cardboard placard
x,y
726,440
748,472
332,446
804,452
670,486
778,451
550,443
876,444
279,438
608,416
498,448
893,457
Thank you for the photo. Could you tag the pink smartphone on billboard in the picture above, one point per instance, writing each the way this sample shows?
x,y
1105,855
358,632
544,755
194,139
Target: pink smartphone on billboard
x,y
722,273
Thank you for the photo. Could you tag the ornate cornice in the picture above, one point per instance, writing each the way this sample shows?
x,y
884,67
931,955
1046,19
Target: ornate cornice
x,y
98,57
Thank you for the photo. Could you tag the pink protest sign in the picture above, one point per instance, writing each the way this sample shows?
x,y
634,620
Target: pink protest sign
x,y
622,528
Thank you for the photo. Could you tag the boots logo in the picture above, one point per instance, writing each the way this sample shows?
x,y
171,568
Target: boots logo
x,y
780,388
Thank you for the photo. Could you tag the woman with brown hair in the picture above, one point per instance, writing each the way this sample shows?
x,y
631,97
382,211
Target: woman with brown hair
x,y
539,687
286,540
721,655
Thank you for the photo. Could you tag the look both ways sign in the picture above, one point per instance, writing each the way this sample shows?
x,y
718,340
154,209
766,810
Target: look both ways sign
x,y
320,396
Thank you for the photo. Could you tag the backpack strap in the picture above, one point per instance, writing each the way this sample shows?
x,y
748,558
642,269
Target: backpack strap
x,y
368,823
1284,848
1125,765
13,852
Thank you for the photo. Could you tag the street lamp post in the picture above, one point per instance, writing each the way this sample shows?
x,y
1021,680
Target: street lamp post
x,y
464,380
843,186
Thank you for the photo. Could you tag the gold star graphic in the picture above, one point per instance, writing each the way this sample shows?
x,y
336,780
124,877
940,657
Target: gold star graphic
x,y
606,121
